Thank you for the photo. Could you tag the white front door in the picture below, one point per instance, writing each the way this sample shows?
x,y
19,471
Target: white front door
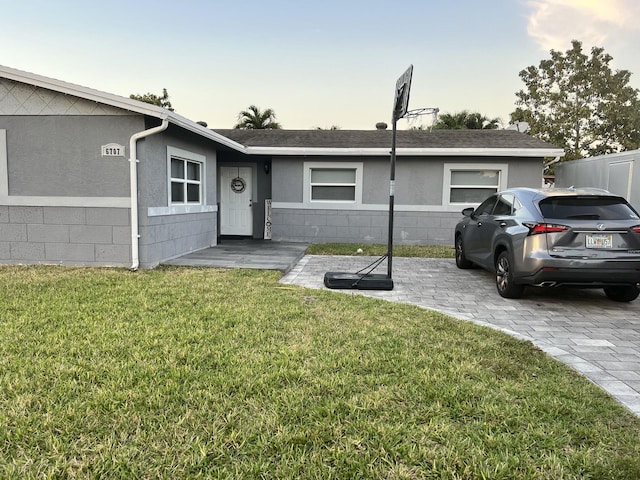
x,y
236,204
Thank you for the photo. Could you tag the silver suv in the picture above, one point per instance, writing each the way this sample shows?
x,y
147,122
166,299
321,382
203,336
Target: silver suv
x,y
585,238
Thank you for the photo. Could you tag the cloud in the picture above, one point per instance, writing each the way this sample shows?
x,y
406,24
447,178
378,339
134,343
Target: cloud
x,y
554,23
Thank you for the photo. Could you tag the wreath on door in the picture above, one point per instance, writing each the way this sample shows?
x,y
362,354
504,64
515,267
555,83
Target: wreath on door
x,y
238,185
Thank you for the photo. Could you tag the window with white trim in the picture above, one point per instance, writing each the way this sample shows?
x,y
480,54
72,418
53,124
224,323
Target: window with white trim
x,y
333,182
186,173
471,184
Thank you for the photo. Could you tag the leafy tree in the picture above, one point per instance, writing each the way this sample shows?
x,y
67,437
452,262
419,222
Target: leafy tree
x,y
332,127
466,120
160,101
253,118
577,102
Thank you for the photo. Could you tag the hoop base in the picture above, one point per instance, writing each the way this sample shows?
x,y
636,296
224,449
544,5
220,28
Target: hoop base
x,y
355,281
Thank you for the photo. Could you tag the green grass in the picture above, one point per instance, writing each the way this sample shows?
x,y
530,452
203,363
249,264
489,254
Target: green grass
x,y
209,373
427,251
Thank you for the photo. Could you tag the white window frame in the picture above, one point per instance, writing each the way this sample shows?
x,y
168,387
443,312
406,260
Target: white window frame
x,y
187,157
449,168
307,186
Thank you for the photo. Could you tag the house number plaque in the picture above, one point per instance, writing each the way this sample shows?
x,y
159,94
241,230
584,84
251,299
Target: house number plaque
x,y
112,150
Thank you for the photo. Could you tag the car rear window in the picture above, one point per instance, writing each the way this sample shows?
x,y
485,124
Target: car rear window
x,y
587,208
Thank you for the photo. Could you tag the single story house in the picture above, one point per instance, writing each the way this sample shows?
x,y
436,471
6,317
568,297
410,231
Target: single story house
x,y
91,178
616,172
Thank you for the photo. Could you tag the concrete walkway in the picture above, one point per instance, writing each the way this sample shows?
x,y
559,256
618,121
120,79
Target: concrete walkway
x,y
583,328
245,253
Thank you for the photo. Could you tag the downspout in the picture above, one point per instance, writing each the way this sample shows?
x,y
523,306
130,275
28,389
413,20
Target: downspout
x,y
133,174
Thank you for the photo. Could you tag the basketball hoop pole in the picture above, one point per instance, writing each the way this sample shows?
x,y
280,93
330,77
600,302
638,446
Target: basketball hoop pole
x,y
369,280
400,106
392,194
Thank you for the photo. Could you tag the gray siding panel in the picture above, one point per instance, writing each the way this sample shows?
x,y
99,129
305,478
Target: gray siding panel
x,y
48,233
111,254
26,215
96,234
107,216
61,235
65,215
66,252
170,236
604,172
321,226
23,250
13,233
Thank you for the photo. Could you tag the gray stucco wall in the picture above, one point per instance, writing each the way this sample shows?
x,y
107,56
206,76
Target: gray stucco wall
x,y
169,235
524,172
60,207
356,226
286,183
61,156
420,217
65,235
52,158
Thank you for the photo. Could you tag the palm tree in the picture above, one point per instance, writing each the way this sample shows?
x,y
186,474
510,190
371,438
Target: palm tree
x,y
252,118
466,120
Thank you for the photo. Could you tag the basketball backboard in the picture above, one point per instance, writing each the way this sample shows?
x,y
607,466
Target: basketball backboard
x,y
401,99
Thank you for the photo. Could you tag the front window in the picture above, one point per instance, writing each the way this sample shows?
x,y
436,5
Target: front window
x,y
468,184
333,183
185,181
186,177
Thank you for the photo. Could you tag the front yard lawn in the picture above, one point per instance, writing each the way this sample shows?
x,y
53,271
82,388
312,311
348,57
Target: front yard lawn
x,y
377,250
211,373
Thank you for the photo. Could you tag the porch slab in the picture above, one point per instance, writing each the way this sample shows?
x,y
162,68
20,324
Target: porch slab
x,y
245,253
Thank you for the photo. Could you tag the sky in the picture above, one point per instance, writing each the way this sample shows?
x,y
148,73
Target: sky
x,y
315,63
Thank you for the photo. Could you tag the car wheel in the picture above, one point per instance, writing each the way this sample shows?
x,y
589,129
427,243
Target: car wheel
x,y
504,277
461,260
622,294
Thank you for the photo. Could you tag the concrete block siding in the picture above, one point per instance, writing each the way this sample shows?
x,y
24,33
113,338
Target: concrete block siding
x,y
358,226
66,235
165,237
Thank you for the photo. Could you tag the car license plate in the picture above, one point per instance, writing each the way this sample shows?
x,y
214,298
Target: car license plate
x,y
599,241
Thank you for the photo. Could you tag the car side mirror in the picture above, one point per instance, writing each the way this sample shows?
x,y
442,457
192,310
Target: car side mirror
x,y
467,212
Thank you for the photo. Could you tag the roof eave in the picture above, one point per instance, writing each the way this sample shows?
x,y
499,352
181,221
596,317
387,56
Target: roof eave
x,y
117,101
406,152
194,127
83,92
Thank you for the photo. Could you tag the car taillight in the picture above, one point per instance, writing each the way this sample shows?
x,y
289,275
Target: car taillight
x,y
537,228
636,229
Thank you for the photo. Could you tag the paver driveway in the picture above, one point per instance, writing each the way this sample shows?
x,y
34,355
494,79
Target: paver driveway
x,y
583,328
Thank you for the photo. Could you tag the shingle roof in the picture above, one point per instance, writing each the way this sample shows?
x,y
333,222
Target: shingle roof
x,y
406,139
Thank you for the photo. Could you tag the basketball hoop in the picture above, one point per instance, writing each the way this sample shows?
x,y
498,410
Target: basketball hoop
x,y
401,100
369,280
412,116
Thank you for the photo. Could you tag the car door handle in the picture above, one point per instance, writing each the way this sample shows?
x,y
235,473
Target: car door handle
x,y
479,224
503,224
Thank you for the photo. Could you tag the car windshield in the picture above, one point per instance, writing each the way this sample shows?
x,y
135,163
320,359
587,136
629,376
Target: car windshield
x,y
587,208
